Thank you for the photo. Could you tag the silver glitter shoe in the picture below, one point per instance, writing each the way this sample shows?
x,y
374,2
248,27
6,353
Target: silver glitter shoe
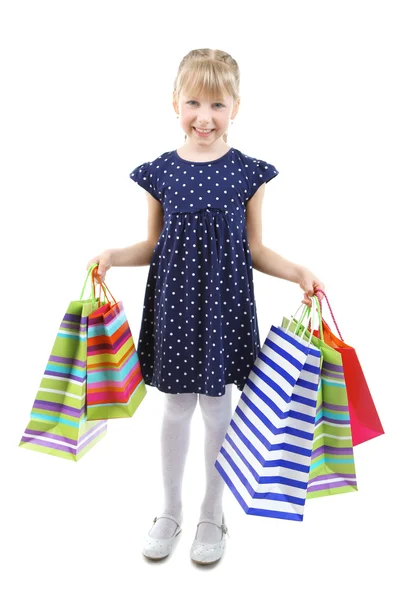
x,y
204,553
158,548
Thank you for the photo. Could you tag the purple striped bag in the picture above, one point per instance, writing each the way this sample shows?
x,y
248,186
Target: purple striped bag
x,y
58,422
332,469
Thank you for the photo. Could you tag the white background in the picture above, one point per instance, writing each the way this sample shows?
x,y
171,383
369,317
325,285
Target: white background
x,y
86,97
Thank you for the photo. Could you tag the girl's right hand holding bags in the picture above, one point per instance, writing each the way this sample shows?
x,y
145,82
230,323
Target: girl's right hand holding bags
x,y
104,261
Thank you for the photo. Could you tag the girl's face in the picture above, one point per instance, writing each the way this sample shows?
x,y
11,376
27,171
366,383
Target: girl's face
x,y
205,113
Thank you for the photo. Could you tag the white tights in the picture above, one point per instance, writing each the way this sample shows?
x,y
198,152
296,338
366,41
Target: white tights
x,y
175,435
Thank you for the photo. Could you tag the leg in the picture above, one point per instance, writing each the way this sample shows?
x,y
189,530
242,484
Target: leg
x,y
175,435
217,413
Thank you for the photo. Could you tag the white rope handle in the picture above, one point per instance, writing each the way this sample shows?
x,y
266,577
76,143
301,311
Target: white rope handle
x,y
314,311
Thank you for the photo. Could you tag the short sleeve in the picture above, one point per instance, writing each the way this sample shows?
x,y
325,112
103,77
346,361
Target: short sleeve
x,y
260,172
144,177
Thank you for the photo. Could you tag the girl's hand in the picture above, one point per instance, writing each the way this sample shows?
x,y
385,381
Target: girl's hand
x,y
310,283
104,261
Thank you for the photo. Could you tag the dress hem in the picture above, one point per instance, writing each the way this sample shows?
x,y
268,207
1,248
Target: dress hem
x,y
239,386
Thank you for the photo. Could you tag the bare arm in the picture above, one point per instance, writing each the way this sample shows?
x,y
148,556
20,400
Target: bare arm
x,y
140,254
267,261
264,259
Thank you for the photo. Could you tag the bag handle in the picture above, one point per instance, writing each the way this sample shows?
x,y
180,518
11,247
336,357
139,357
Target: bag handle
x,y
307,310
334,320
314,310
91,273
92,295
294,316
103,284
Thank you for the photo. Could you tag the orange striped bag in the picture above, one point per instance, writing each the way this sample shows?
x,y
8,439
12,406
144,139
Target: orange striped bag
x,y
115,386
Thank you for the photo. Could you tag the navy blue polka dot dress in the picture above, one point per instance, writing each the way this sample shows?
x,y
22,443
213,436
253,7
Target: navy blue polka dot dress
x,y
199,329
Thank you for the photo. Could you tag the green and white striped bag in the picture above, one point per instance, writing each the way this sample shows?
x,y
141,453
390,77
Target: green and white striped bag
x,y
332,468
58,421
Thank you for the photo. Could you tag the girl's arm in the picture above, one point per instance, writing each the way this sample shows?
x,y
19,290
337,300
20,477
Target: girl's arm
x,y
269,262
140,254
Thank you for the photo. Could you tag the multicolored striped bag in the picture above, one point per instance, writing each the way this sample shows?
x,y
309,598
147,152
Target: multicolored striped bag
x,y
332,468
266,454
58,424
115,386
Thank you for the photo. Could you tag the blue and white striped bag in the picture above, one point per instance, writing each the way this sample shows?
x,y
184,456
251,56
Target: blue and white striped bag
x,y
266,454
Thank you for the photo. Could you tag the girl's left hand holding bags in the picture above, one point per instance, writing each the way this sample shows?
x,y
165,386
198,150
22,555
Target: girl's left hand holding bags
x,y
309,283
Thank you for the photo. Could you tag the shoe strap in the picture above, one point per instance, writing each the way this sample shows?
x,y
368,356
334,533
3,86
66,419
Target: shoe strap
x,y
223,527
167,516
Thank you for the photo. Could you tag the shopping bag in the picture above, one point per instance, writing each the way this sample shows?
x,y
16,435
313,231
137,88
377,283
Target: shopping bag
x,y
364,418
266,454
115,386
332,468
58,423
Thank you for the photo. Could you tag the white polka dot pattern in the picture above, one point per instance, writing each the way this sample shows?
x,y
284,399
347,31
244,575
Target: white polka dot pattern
x,y
199,329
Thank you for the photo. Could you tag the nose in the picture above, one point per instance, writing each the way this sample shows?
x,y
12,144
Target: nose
x,y
203,123
203,119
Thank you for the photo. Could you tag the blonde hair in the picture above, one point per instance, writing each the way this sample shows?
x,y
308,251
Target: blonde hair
x,y
211,71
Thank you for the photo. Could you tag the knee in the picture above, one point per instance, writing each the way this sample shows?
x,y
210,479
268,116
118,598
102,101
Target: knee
x,y
180,407
216,413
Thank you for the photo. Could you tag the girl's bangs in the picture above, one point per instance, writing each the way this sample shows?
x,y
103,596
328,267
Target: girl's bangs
x,y
208,79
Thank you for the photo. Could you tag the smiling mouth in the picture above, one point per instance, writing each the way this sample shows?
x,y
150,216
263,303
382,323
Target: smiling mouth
x,y
203,132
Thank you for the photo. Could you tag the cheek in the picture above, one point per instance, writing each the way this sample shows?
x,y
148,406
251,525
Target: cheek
x,y
187,118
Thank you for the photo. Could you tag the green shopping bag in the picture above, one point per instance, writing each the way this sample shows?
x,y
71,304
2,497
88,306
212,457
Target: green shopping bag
x,y
332,468
58,421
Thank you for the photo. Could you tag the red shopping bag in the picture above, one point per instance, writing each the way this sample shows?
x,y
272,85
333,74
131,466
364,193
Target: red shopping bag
x,y
364,418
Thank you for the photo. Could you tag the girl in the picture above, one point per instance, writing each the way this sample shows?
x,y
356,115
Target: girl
x,y
199,334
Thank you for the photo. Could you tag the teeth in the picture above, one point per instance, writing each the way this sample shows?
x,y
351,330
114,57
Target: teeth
x,y
203,130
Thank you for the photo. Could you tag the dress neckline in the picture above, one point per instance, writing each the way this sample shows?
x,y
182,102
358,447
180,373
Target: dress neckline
x,y
204,162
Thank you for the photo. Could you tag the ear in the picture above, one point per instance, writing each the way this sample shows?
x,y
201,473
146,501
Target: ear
x,y
235,109
175,103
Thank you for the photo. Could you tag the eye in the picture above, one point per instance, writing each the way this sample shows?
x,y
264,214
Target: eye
x,y
216,103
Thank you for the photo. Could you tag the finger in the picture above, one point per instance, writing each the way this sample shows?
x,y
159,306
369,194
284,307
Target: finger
x,y
95,274
101,272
